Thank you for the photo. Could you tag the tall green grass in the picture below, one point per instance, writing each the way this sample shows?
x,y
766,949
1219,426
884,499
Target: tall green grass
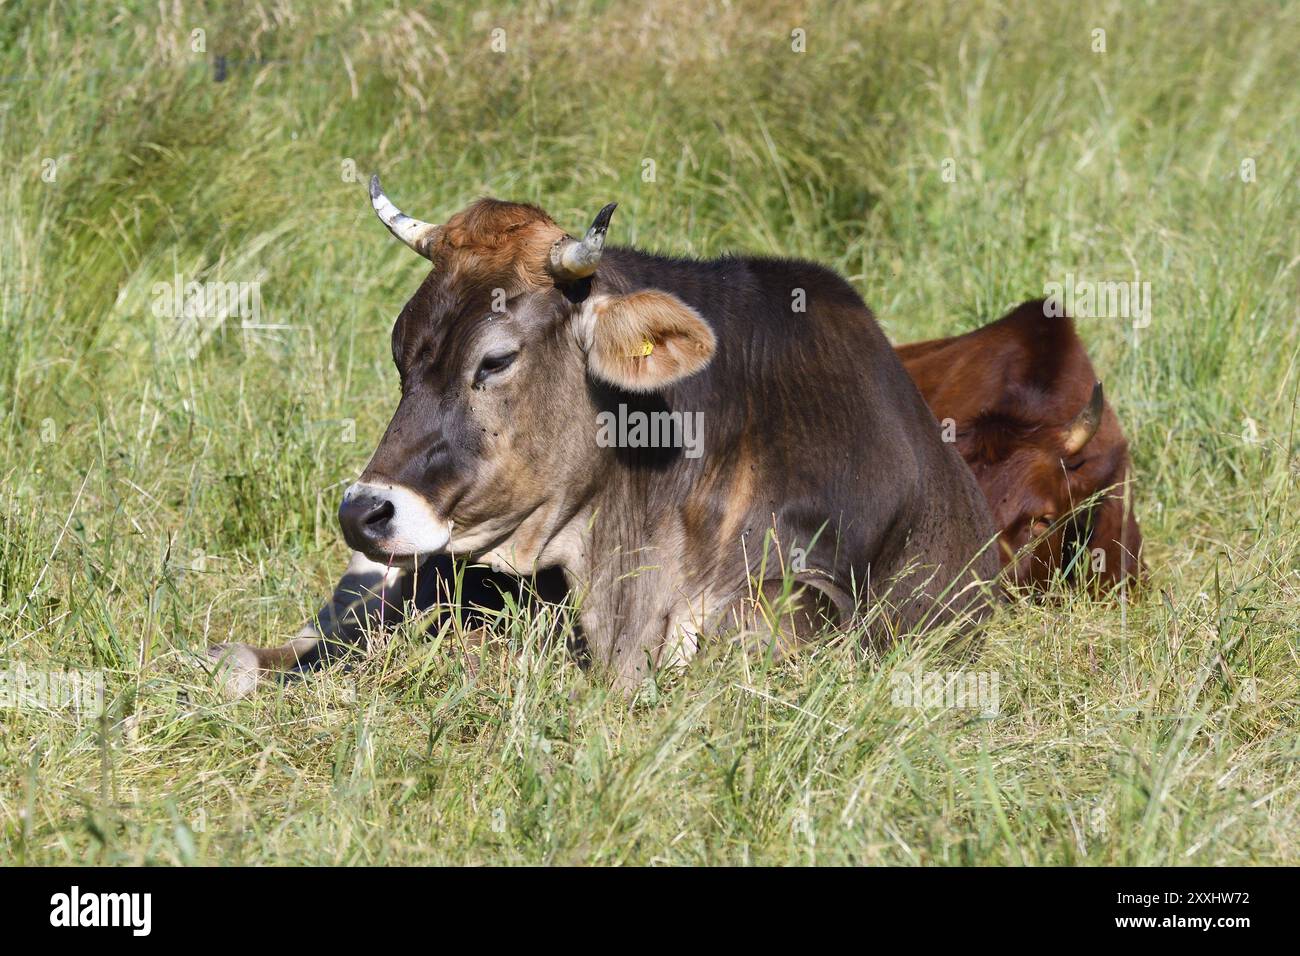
x,y
155,501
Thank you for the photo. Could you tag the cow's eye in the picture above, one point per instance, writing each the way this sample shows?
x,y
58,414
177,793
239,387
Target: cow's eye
x,y
493,363
1042,524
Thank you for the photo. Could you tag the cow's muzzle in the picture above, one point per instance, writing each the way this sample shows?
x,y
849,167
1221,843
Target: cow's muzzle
x,y
391,524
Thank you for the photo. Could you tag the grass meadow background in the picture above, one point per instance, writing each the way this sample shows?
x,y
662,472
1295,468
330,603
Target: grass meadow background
x,y
160,493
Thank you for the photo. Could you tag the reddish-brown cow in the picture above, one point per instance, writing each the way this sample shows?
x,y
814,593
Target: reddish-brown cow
x,y
1023,404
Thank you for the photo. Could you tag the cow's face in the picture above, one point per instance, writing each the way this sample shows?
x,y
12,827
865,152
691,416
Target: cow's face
x,y
1054,491
1033,516
495,429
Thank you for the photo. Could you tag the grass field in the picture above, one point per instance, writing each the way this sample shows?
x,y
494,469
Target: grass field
x,y
167,485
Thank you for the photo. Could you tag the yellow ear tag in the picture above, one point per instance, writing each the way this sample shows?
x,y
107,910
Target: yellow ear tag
x,y
646,348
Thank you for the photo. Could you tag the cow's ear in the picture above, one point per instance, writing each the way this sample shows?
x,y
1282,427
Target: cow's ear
x,y
644,341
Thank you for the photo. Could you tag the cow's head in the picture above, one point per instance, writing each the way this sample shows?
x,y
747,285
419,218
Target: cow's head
x,y
1058,493
1048,451
498,353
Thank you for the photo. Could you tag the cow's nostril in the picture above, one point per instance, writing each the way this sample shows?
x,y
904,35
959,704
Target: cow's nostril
x,y
381,515
366,518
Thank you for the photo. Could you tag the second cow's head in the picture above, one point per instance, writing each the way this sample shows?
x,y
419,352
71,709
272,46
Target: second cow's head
x,y
498,353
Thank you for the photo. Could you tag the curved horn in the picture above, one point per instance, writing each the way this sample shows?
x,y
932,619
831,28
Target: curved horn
x,y
1080,431
571,259
415,233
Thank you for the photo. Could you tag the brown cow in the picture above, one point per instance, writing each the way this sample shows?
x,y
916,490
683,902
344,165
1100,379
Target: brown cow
x,y
654,427
1027,413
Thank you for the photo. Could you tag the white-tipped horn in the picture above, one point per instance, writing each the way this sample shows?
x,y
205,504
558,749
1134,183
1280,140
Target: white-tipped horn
x,y
415,233
571,259
1084,426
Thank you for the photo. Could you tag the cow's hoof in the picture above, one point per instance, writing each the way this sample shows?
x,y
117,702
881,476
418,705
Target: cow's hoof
x,y
235,667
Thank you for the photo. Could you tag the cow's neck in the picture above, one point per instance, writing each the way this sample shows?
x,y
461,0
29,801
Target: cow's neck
x,y
638,608
549,536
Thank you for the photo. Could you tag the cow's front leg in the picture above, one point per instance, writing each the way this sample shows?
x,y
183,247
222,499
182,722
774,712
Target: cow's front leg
x,y
370,596
786,615
773,623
